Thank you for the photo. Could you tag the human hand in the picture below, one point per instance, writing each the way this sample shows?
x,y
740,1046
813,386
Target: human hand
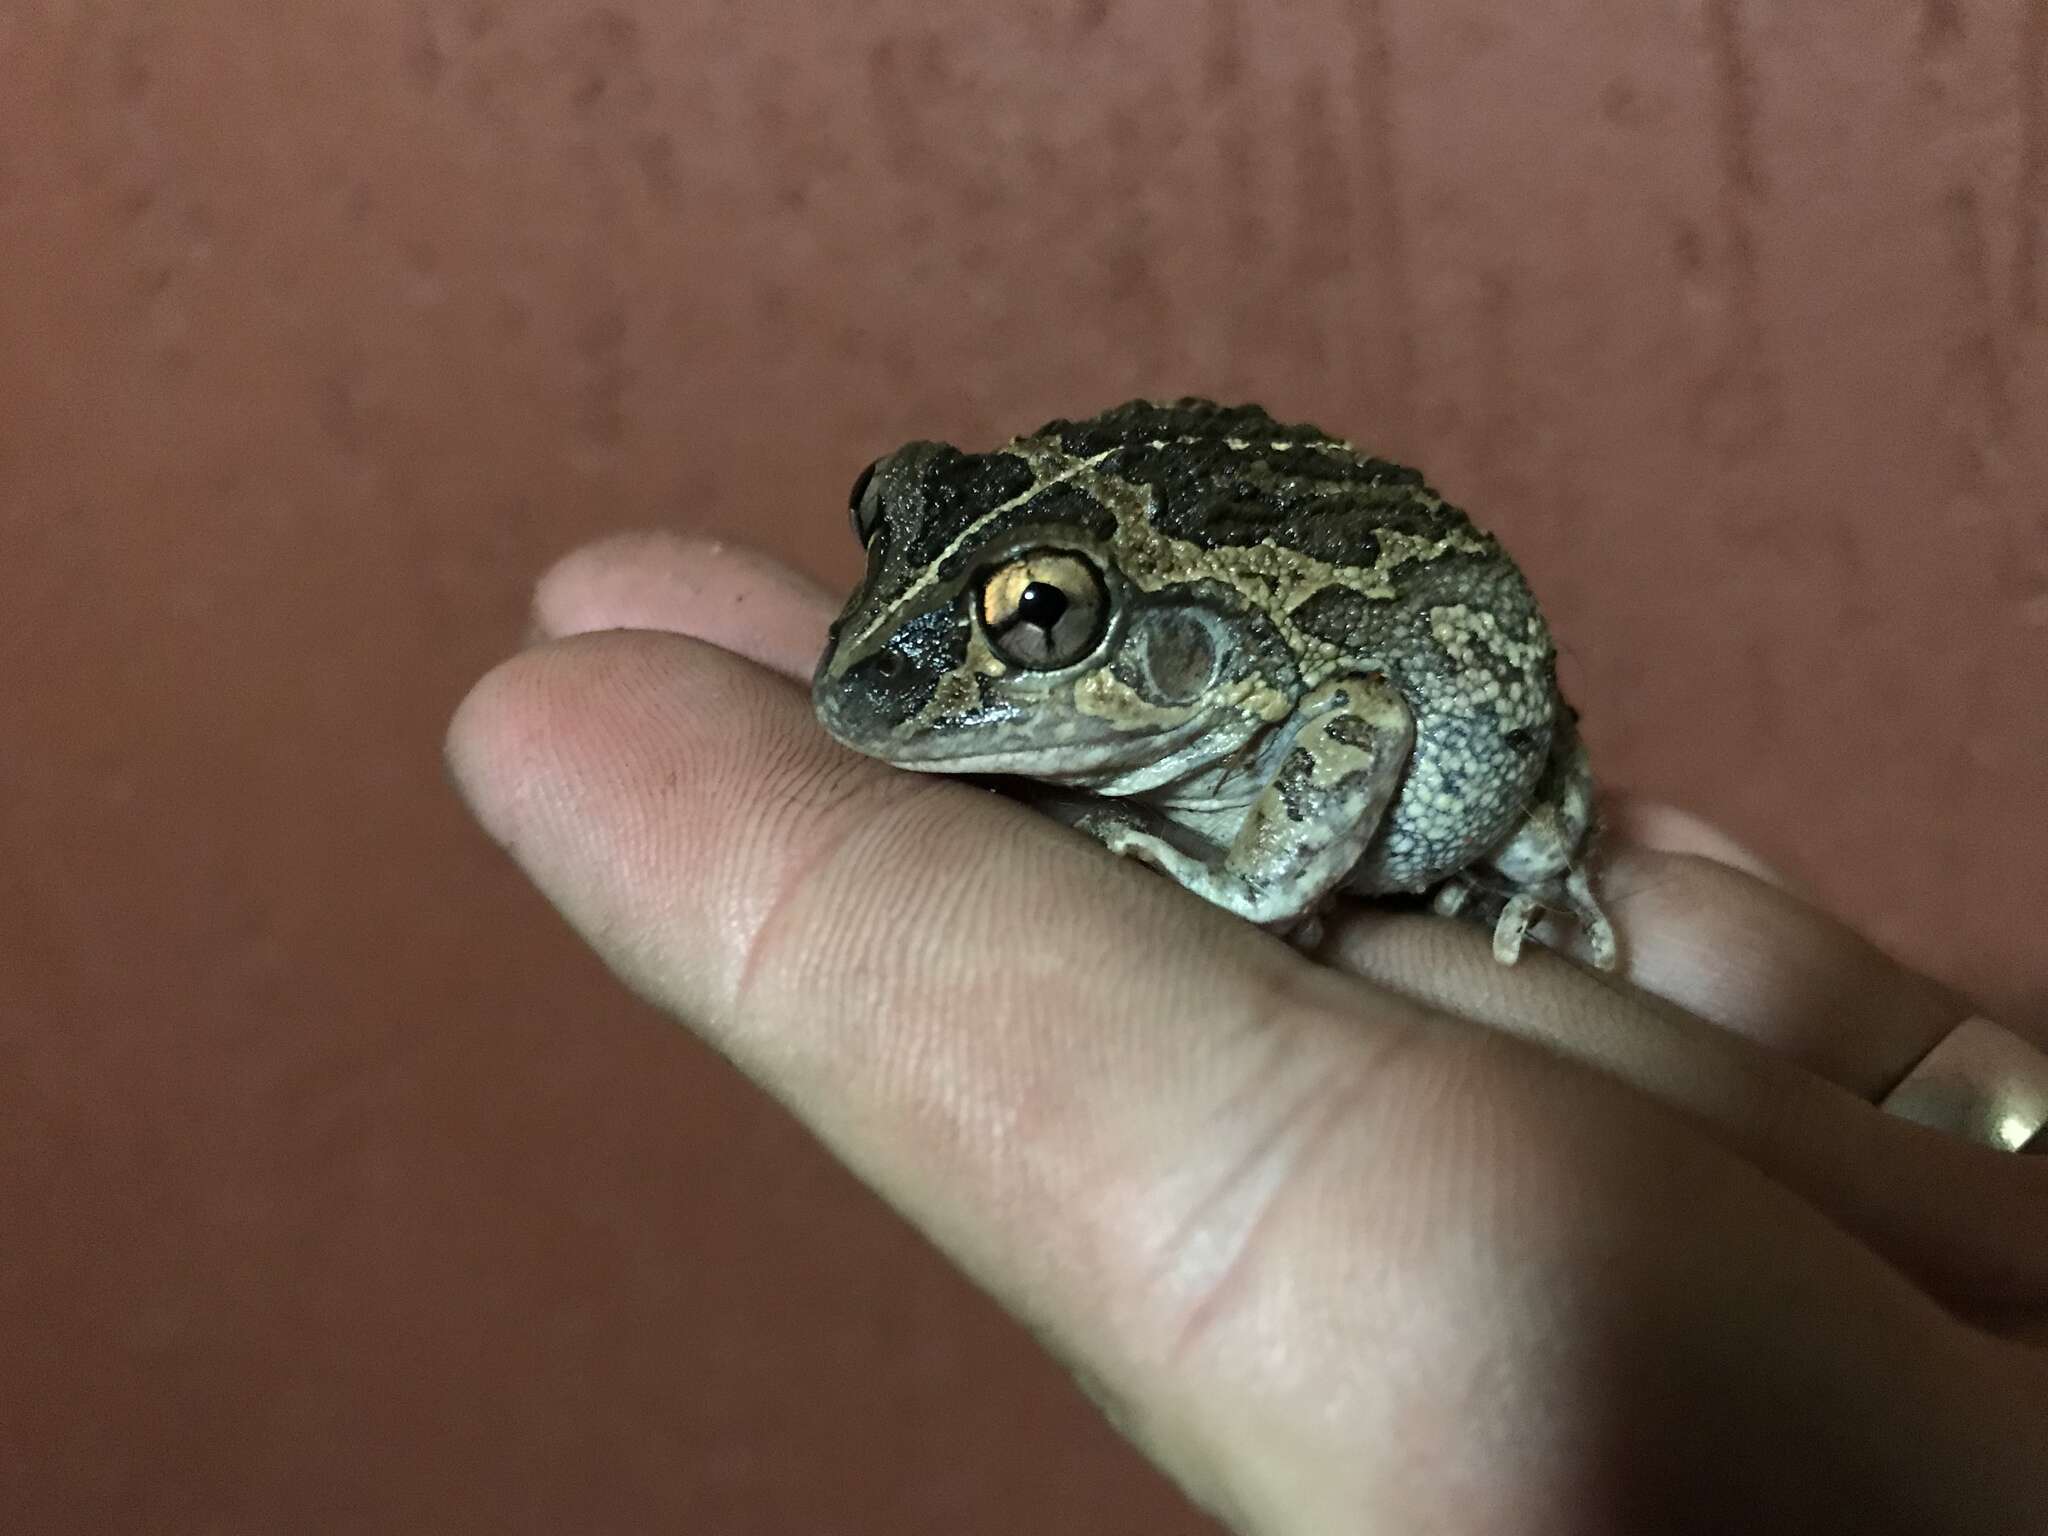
x,y
1405,1240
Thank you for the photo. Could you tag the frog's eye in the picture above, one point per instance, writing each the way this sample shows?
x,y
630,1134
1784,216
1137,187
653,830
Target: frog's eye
x,y
1044,610
864,501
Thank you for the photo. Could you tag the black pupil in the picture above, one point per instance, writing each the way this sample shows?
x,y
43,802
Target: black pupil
x,y
1042,604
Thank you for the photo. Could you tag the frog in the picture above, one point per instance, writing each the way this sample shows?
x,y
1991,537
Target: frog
x,y
1281,671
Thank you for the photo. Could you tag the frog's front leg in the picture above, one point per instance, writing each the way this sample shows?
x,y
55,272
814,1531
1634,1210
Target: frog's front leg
x,y
1310,823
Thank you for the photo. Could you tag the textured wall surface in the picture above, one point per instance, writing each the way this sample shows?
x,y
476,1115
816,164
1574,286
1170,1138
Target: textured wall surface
x,y
338,1189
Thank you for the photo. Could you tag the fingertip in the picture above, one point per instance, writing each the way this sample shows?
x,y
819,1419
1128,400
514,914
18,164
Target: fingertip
x,y
534,724
621,581
471,747
626,773
735,597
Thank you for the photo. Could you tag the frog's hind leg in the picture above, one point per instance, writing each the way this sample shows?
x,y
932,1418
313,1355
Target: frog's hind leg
x,y
1543,865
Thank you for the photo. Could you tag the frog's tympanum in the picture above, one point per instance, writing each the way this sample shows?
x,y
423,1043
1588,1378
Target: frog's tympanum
x,y
1264,663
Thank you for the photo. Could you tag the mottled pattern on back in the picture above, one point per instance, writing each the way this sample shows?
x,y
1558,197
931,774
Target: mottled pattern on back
x,y
1235,475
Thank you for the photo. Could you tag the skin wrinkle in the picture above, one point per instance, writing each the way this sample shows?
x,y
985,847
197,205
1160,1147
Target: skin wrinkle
x,y
961,1106
1285,978
909,1080
923,1076
1212,1304
1174,1255
1349,1065
793,882
712,779
558,788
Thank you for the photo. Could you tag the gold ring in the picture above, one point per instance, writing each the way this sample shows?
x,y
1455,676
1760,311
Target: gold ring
x,y
1981,1082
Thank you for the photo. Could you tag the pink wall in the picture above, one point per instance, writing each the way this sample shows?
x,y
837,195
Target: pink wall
x,y
338,1188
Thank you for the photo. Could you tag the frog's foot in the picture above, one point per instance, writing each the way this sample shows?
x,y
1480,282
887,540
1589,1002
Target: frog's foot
x,y
1543,865
1482,898
1511,928
1603,950
1305,933
1452,897
1574,895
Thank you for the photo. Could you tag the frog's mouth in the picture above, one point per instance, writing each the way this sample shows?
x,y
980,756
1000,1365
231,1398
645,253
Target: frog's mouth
x,y
1001,739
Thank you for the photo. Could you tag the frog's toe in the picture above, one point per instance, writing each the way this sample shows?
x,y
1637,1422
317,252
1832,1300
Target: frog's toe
x,y
1511,929
1305,933
1603,951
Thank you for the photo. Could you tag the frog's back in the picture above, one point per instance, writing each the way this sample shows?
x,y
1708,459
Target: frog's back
x,y
1225,476
1365,550
1382,575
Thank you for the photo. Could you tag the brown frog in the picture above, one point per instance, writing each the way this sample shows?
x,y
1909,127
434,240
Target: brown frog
x,y
1265,663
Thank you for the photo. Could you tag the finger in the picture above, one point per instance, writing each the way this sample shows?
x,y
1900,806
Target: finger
x,y
1771,967
1966,1218
755,605
1218,1176
1766,960
1709,928
1848,1012
1758,959
1652,824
